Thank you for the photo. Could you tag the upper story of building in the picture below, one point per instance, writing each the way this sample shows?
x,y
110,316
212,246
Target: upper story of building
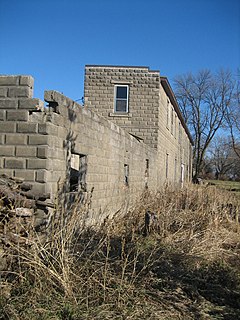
x,y
137,99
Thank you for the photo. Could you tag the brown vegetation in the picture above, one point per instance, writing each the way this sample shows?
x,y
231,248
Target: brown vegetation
x,y
189,269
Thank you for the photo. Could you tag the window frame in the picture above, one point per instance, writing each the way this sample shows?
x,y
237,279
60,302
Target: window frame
x,y
120,99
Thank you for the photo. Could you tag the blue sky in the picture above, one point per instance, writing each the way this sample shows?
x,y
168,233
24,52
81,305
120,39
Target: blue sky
x,y
52,40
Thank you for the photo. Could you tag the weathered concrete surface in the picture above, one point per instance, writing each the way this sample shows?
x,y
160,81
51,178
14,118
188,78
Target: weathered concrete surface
x,y
115,157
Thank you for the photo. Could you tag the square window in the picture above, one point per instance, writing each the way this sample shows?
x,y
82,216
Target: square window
x,y
121,98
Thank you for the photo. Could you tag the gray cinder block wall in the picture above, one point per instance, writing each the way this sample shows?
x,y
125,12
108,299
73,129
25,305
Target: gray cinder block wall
x,y
143,114
152,114
22,137
118,166
40,143
117,155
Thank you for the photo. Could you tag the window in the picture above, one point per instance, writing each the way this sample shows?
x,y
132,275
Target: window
x,y
175,169
168,114
172,121
166,165
121,98
147,167
83,172
179,132
78,172
175,126
182,174
126,174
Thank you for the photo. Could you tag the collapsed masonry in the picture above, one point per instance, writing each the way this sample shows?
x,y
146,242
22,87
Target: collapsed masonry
x,y
129,136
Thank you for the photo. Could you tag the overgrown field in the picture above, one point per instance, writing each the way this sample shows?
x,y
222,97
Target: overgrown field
x,y
233,186
188,268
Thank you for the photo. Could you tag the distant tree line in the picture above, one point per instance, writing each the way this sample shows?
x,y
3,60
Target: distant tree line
x,y
210,104
221,162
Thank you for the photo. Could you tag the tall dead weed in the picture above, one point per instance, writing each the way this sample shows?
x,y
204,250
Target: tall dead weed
x,y
188,269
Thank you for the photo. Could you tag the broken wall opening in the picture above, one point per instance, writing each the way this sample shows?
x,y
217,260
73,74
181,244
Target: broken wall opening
x,y
78,172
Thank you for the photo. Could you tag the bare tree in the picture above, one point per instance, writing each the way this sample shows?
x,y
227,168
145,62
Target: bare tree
x,y
203,99
222,158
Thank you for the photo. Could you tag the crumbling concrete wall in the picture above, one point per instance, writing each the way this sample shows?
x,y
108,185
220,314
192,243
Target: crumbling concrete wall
x,y
23,139
118,167
45,145
114,155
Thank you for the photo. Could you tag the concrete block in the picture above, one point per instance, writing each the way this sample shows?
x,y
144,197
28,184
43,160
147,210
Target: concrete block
x,y
58,165
38,139
37,164
16,163
57,119
27,175
39,188
2,115
8,103
17,115
2,138
7,150
16,139
49,176
7,127
27,127
38,117
31,104
43,152
20,92
26,151
59,153
3,92
62,132
9,80
41,176
55,96
9,172
52,187
26,81
48,128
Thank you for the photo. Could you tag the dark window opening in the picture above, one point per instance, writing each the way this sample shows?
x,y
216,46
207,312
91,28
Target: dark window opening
x,y
168,114
175,169
179,133
147,164
166,165
172,120
126,174
78,172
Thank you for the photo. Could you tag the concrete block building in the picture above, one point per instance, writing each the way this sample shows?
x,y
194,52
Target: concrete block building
x,y
142,102
128,137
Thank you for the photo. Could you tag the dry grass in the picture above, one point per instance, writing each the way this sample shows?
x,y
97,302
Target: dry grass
x,y
189,269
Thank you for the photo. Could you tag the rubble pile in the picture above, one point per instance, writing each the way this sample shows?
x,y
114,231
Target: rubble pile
x,y
22,213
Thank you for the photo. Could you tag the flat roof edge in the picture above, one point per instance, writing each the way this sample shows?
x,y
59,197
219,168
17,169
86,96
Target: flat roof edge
x,y
119,66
